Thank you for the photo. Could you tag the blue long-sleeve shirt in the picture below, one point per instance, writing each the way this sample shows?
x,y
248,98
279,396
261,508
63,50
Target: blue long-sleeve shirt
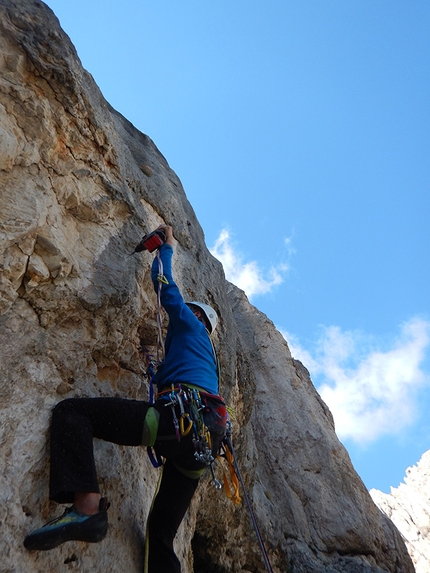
x,y
189,357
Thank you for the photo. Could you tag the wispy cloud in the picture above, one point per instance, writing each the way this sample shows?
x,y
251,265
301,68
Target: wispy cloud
x,y
248,276
370,392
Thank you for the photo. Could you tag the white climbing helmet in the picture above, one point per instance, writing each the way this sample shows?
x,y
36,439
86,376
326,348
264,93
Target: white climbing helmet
x,y
208,311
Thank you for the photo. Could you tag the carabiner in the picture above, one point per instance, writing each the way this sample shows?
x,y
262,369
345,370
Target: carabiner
x,y
187,430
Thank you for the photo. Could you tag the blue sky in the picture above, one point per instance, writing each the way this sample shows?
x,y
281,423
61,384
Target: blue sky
x,y
300,132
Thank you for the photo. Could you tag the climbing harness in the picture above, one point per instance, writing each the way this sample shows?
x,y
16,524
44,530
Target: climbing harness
x,y
192,406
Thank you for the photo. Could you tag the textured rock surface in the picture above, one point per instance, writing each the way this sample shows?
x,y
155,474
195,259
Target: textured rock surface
x,y
408,506
79,186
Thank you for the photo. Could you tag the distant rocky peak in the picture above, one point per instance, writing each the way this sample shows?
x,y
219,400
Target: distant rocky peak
x,y
408,507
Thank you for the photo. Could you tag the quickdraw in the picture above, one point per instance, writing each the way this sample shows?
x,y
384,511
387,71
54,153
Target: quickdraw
x,y
184,417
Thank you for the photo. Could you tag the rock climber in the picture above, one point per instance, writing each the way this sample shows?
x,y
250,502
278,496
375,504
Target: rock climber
x,y
189,369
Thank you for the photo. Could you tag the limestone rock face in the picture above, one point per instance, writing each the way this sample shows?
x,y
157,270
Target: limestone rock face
x,y
408,506
79,186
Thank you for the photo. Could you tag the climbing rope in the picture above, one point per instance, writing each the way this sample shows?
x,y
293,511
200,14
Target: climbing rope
x,y
151,365
248,501
161,280
155,459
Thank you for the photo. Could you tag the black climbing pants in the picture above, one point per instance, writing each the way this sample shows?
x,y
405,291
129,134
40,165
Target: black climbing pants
x,y
75,422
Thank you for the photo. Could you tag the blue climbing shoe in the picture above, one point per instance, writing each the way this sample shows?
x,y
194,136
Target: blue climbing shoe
x,y
72,525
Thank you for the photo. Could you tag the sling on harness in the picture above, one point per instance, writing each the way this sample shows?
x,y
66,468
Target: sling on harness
x,y
232,492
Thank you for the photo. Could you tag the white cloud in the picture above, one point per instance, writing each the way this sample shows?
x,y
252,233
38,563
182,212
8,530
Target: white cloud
x,y
247,276
370,392
288,243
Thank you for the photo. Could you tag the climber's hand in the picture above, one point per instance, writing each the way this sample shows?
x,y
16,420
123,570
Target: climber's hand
x,y
168,232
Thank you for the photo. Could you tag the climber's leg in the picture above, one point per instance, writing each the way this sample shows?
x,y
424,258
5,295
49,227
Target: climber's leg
x,y
73,478
75,422
170,505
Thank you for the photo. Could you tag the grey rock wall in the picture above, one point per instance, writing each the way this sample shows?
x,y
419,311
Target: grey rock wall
x,y
79,185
